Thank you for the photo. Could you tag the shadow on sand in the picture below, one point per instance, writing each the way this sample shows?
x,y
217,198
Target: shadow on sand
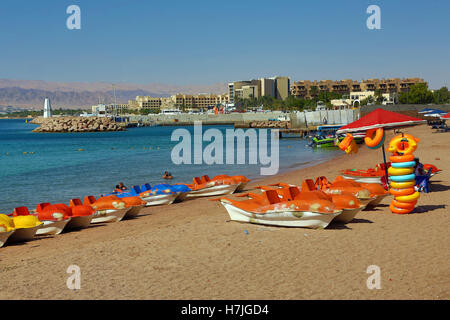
x,y
428,208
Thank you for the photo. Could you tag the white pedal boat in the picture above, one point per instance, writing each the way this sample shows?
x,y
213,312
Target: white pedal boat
x,y
103,216
52,227
284,218
23,234
160,199
363,179
4,237
133,212
79,222
217,190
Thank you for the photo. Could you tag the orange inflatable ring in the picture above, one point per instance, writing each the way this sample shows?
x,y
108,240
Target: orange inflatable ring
x,y
404,205
374,138
399,210
406,158
402,192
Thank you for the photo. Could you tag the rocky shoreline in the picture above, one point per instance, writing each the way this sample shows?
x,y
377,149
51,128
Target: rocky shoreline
x,y
77,124
264,124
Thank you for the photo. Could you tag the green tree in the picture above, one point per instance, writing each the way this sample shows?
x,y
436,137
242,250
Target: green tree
x,y
417,94
313,92
378,96
441,96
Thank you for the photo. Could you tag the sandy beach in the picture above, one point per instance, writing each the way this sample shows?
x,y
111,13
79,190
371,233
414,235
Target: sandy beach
x,y
191,250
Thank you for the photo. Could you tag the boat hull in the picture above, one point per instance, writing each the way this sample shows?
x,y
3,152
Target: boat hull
x,y
23,234
182,196
52,227
377,200
79,222
133,212
304,219
109,215
241,187
347,215
218,190
4,237
364,179
160,199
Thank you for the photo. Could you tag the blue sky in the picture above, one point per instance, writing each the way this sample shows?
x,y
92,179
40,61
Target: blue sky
x,y
203,42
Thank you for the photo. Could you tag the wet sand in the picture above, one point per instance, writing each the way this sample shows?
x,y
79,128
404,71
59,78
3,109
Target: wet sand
x,y
191,250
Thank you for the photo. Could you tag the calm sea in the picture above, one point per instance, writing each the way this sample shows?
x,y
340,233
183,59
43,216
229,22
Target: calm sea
x,y
39,167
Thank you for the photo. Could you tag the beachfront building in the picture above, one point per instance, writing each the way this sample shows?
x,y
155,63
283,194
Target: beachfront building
x,y
184,102
355,98
277,87
104,110
307,89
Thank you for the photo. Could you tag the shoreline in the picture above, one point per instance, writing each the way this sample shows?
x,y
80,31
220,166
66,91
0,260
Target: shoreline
x,y
190,250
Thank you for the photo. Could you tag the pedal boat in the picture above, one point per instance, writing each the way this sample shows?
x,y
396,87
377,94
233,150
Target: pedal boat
x,y
269,209
364,196
160,194
376,190
80,215
364,176
6,228
206,188
241,180
25,226
107,209
54,217
349,204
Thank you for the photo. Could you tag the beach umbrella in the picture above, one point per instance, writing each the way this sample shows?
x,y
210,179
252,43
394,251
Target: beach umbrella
x,y
380,118
435,113
426,110
445,116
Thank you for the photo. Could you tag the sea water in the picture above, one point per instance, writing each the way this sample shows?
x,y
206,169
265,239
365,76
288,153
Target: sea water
x,y
56,167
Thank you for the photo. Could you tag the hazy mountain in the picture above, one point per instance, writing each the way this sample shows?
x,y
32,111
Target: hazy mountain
x,y
31,93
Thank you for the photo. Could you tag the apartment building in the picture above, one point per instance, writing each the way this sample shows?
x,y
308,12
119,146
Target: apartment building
x,y
277,87
309,89
178,101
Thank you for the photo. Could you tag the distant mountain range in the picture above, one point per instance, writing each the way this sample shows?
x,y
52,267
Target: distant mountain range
x,y
30,94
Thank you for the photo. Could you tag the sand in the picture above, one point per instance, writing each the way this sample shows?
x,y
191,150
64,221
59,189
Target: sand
x,y
191,250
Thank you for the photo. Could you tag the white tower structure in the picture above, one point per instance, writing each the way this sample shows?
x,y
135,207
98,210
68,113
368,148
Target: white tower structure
x,y
47,108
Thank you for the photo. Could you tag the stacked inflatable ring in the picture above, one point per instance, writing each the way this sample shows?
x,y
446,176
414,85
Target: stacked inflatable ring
x,y
401,173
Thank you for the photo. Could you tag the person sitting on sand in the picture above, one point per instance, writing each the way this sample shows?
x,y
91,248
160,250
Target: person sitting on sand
x,y
167,175
120,187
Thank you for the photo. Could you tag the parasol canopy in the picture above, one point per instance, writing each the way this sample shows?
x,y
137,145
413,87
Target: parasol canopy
x,y
435,113
380,118
446,116
426,110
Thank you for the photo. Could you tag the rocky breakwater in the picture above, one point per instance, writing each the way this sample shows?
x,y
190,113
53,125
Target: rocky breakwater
x,y
264,124
77,124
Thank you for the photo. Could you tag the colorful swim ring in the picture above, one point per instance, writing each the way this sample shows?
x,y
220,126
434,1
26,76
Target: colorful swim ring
x,y
399,210
403,144
405,158
402,185
404,205
374,138
400,171
407,164
406,177
409,198
402,192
